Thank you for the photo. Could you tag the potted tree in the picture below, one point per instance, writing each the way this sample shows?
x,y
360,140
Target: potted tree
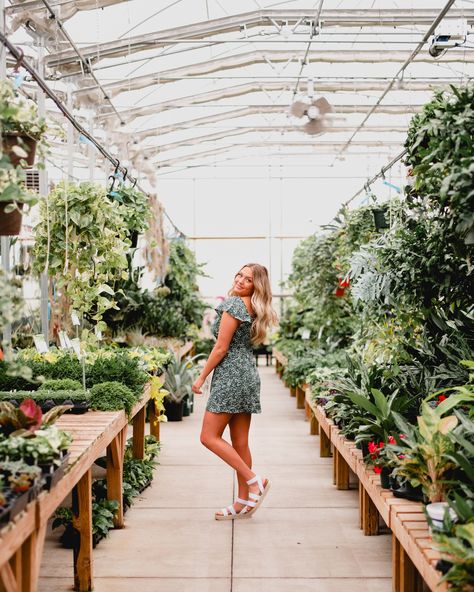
x,y
20,125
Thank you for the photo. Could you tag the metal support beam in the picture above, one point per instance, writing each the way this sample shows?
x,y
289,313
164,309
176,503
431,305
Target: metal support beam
x,y
43,191
64,60
93,93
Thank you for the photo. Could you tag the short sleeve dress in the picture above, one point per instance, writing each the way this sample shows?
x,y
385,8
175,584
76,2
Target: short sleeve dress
x,y
235,385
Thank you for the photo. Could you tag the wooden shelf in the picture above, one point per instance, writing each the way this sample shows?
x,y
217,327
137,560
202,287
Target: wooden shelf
x,y
413,555
94,434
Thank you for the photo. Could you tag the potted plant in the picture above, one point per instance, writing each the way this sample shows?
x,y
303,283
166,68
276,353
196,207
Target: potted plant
x,y
136,210
423,457
180,376
13,196
20,125
82,216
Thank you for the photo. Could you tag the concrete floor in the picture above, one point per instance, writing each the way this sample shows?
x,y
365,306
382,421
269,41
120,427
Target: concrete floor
x,y
304,538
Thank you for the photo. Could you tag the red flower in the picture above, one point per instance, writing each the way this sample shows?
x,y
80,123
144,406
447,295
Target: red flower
x,y
377,470
372,448
344,282
340,292
441,398
391,440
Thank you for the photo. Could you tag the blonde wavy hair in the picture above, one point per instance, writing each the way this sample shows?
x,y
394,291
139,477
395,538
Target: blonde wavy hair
x,y
261,301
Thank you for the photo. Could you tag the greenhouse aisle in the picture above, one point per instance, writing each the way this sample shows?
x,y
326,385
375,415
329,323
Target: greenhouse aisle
x,y
305,538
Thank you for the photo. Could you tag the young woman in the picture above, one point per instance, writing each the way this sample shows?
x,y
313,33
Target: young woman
x,y
242,321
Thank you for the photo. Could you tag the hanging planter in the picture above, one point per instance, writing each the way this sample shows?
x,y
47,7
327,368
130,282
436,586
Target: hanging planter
x,y
19,148
10,219
380,219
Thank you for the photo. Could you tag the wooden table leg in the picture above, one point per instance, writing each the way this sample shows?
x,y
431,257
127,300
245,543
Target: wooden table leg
x,y
139,434
300,398
292,391
342,471
82,522
370,515
405,576
8,581
313,425
361,506
115,453
31,554
324,445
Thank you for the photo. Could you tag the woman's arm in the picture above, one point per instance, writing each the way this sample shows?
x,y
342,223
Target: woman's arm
x,y
227,329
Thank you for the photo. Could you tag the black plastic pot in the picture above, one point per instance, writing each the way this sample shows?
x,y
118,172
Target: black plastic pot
x,y
443,566
19,503
406,491
364,446
186,407
174,411
52,474
385,478
380,220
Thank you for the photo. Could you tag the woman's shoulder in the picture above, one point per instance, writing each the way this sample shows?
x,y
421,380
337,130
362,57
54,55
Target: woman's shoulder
x,y
235,306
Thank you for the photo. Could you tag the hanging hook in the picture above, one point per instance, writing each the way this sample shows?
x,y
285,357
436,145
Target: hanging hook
x,y
114,176
19,60
133,186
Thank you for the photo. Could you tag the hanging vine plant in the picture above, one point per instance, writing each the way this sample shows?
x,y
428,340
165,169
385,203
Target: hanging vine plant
x,y
81,241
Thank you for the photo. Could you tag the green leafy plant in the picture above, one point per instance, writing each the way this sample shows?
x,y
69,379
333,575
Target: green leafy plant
x,y
136,209
19,114
45,446
60,384
19,475
112,396
458,549
180,376
79,226
423,455
12,187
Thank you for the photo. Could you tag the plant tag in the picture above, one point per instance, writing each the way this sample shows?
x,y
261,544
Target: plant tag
x,y
305,333
62,340
75,319
98,334
40,343
76,346
67,340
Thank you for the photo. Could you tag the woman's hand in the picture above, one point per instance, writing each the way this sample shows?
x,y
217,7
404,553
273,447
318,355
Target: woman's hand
x,y
196,388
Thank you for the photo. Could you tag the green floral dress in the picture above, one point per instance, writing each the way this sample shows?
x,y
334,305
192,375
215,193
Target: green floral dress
x,y
235,385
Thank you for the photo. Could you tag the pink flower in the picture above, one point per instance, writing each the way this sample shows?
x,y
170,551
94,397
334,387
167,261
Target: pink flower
x,y
32,412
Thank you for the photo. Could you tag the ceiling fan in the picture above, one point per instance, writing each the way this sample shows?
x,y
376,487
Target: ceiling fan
x,y
317,112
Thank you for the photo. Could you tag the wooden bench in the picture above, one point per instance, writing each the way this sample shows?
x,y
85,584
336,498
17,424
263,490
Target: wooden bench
x,y
280,361
22,540
413,558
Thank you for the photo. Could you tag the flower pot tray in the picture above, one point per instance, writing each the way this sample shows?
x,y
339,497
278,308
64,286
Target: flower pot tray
x,y
52,473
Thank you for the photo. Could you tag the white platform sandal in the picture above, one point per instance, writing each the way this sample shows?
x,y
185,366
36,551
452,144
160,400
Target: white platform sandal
x,y
256,499
230,512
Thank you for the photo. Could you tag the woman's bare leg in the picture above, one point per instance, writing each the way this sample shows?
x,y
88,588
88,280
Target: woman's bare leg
x,y
213,427
239,426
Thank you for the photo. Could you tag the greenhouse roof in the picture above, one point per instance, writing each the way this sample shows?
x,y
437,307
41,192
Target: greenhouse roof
x,y
218,88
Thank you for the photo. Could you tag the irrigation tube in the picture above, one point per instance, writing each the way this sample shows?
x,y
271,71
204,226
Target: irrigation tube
x,y
381,173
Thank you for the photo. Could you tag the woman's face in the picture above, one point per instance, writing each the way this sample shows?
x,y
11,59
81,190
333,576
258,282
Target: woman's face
x,y
243,282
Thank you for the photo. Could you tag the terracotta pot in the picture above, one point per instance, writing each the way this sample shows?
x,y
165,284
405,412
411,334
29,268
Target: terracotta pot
x,y
10,223
11,139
